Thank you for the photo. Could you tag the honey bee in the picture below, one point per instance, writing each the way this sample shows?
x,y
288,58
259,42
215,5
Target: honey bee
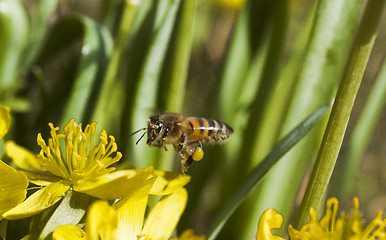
x,y
186,134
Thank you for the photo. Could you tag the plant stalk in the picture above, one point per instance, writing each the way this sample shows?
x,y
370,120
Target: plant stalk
x,y
341,111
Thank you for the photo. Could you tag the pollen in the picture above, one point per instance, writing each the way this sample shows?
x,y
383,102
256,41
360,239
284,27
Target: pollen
x,y
198,154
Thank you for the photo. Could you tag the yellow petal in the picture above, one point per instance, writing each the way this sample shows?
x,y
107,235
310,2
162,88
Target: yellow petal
x,y
165,215
29,163
41,182
68,232
107,186
168,182
5,121
114,185
101,221
131,211
23,158
13,187
38,201
268,221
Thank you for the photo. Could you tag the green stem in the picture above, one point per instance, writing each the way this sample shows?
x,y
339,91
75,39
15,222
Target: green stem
x,y
341,111
360,138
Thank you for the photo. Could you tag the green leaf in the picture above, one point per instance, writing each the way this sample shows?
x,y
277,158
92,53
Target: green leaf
x,y
111,89
174,81
178,62
76,88
96,49
264,122
240,57
69,211
41,12
13,36
248,69
261,170
145,95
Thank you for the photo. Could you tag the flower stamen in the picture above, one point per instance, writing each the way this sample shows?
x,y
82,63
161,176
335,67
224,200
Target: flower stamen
x,y
82,160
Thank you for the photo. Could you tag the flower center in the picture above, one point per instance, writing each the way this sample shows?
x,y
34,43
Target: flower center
x,y
72,154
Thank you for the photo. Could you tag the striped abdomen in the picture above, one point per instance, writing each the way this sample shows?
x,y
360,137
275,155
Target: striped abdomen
x,y
207,130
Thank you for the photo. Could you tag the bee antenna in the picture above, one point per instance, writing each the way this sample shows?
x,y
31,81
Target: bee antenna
x,y
142,129
136,143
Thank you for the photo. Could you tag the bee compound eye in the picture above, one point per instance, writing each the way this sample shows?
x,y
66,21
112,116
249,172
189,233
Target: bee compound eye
x,y
158,127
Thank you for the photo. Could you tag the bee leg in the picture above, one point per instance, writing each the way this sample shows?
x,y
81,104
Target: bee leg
x,y
181,143
185,164
159,145
164,137
191,153
164,145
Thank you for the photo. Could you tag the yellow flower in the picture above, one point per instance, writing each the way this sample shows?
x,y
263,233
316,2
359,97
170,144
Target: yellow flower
x,y
125,219
13,184
329,227
71,161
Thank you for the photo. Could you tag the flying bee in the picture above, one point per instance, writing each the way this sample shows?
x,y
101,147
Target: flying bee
x,y
186,134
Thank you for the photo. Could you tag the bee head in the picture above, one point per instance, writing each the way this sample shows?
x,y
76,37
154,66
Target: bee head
x,y
154,129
